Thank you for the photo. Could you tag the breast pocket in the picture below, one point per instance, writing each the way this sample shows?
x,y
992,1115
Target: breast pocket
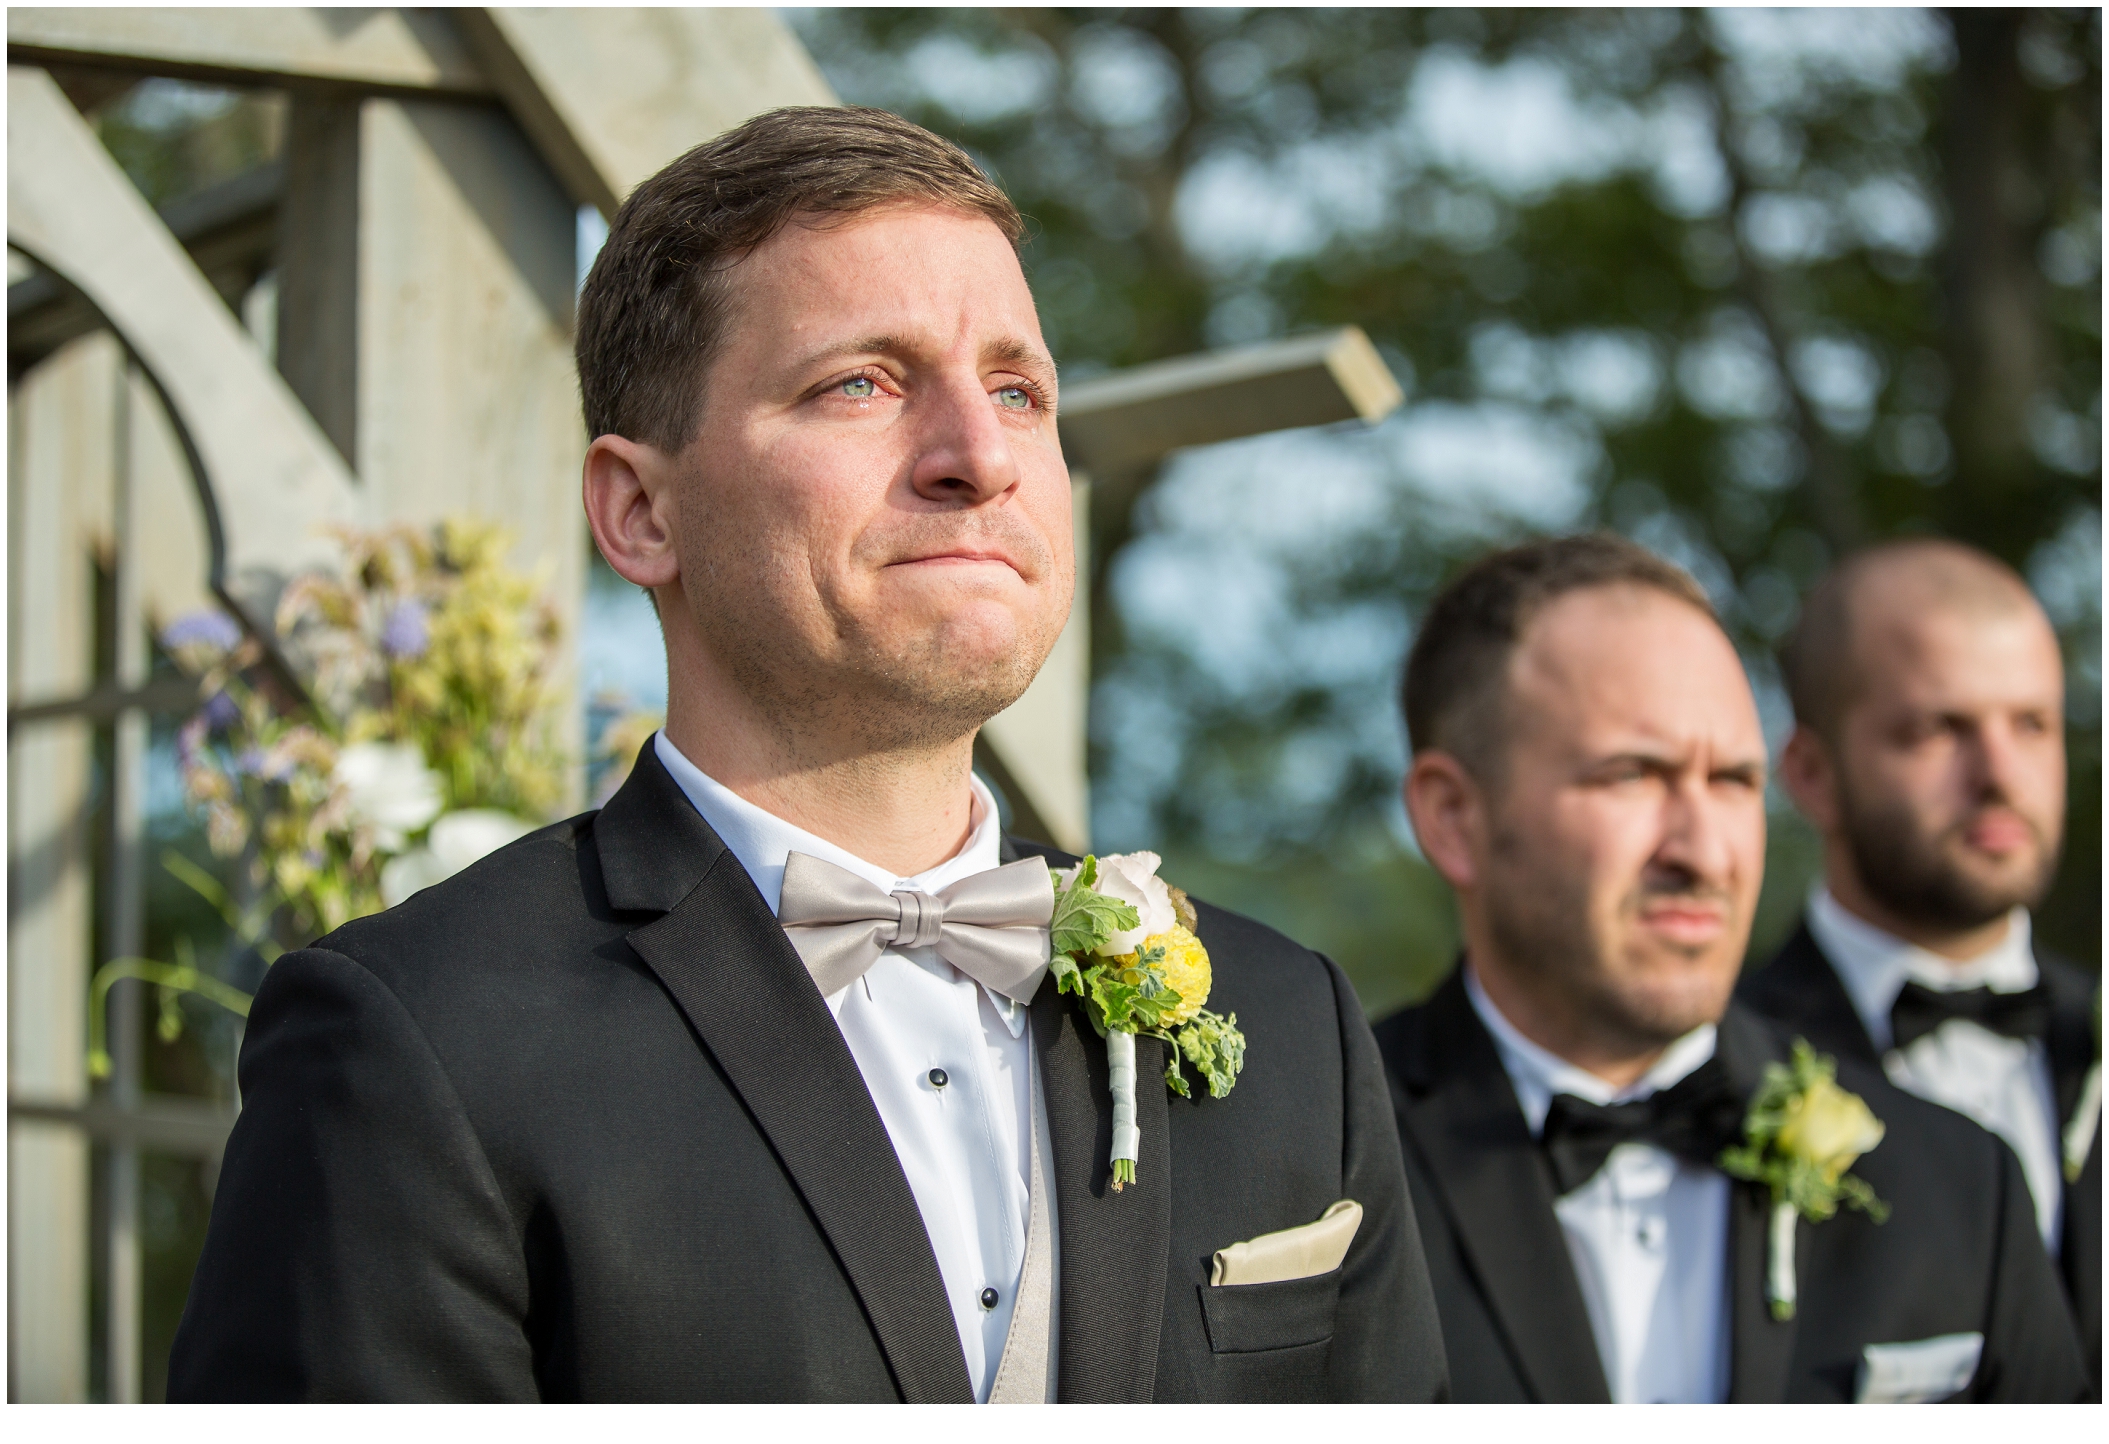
x,y
1258,1318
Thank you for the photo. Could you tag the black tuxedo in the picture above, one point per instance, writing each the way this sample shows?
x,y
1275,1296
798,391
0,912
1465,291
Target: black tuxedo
x,y
1949,1260
1801,990
575,1124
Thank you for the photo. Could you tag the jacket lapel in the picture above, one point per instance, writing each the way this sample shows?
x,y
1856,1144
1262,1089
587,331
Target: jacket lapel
x,y
1463,1118
1761,1347
1114,1246
1801,990
719,952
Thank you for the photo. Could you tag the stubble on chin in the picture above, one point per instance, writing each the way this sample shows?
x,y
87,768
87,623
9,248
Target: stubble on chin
x,y
1618,989
1918,877
827,675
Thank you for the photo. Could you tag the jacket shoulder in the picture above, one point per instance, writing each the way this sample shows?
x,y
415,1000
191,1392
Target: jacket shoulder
x,y
503,909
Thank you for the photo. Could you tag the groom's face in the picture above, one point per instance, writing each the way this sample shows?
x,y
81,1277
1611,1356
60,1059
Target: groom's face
x,y
875,515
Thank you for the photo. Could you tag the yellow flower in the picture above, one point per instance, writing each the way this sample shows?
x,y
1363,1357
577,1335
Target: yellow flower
x,y
1184,968
1828,1127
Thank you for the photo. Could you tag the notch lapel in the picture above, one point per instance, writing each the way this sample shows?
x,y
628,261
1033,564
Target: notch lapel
x,y
1469,1129
1114,1246
719,951
1761,1348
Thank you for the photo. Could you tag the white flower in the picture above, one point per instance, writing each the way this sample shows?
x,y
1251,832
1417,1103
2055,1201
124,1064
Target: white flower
x,y
1132,877
457,840
391,789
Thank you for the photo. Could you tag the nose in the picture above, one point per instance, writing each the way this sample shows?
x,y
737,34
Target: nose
x,y
1697,852
964,453
1994,759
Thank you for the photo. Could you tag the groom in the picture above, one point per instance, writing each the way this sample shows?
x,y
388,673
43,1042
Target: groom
x,y
609,1117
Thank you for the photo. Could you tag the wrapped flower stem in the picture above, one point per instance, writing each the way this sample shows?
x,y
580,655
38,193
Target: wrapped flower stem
x,y
1127,1138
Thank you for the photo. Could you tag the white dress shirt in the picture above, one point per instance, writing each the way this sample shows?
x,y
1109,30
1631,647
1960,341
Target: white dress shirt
x,y
2002,1083
964,1146
1648,1234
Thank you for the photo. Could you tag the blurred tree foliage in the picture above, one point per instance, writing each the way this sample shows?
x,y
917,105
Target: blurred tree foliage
x,y
1783,282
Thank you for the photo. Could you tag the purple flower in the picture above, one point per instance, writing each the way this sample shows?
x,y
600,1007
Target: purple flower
x,y
212,629
406,633
250,762
220,712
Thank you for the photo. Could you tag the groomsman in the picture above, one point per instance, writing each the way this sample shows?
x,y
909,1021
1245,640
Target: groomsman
x,y
1929,750
752,1085
1589,775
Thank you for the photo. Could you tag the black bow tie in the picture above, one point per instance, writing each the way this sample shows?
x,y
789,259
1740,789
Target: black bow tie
x,y
1920,1010
1694,1119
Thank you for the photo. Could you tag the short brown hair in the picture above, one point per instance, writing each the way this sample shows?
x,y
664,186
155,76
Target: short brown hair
x,y
1453,687
1816,659
652,312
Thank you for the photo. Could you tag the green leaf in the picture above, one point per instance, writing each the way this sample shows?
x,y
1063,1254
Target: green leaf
x,y
1084,919
1213,1044
1069,978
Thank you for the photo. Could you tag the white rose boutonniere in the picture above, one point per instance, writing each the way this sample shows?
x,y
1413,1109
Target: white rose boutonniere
x,y
1800,1136
1123,941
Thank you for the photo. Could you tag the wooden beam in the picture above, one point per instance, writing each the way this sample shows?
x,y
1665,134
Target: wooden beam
x,y
370,49
272,481
610,96
1135,417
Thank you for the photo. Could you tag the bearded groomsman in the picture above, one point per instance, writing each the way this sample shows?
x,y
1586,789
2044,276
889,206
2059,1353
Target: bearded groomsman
x,y
1929,751
1594,1186
752,1085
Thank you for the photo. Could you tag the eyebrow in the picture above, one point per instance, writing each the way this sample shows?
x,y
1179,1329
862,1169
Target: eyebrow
x,y
1752,770
1008,350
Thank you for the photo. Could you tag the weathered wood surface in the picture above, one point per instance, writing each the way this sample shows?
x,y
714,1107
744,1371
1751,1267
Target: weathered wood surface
x,y
386,49
1137,416
609,96
275,480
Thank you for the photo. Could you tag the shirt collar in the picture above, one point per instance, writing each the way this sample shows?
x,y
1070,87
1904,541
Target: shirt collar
x,y
1874,965
763,842
1538,1074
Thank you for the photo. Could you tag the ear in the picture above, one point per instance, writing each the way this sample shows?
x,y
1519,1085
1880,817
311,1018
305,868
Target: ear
x,y
1448,809
630,503
1810,775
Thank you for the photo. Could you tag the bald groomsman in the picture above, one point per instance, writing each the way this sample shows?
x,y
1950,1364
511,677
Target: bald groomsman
x,y
1589,776
1929,751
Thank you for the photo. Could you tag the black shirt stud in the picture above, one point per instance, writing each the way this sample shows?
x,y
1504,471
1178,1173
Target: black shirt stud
x,y
939,1078
989,1298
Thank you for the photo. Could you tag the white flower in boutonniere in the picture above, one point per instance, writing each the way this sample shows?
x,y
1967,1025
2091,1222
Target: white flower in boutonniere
x,y
1123,941
1800,1136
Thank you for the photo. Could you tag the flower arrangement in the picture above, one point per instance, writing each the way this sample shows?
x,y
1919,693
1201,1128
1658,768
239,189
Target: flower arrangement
x,y
425,741
1801,1134
1123,940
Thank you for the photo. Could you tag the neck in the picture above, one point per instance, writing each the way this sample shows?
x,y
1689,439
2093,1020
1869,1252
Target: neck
x,y
1953,945
903,806
1564,1027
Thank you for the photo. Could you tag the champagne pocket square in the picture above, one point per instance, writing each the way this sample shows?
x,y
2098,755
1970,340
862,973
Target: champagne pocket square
x,y
1294,1253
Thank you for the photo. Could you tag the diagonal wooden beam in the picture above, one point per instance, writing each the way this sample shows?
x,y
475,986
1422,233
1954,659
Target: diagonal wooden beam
x,y
268,479
609,96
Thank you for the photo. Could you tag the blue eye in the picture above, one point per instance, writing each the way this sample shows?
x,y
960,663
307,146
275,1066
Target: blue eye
x,y
860,388
1017,398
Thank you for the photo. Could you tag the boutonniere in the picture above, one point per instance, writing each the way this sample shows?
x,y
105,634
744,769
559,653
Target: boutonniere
x,y
2087,1114
1800,1136
1123,941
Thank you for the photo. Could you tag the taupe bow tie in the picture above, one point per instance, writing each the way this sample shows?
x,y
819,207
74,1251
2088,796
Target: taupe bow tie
x,y
992,926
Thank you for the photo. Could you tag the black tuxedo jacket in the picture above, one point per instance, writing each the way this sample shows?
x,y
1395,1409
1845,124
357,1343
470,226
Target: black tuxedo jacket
x,y
1951,1259
575,1124
1801,990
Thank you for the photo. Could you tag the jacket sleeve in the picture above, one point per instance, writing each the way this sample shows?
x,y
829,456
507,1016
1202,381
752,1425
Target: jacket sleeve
x,y
359,1247
1387,1340
2031,1354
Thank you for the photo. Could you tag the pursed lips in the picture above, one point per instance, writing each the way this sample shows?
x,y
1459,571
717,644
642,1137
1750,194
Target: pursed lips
x,y
961,556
